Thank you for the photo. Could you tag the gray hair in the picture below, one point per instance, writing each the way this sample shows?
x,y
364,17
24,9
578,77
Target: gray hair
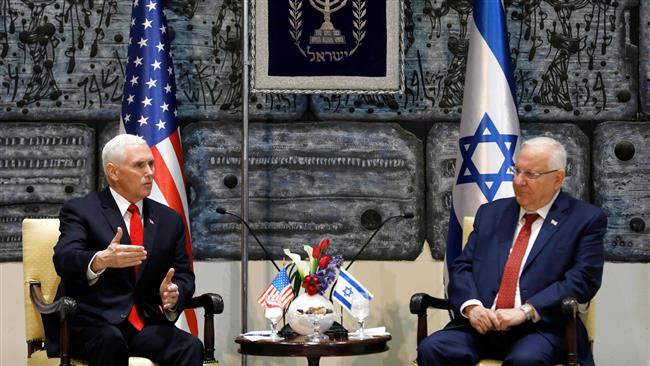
x,y
558,153
113,151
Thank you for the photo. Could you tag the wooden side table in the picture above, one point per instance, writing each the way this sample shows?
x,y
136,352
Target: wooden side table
x,y
298,347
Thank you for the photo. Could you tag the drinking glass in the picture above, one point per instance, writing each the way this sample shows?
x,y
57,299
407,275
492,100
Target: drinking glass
x,y
273,312
360,310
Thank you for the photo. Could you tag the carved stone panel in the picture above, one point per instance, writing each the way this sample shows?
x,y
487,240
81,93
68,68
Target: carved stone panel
x,y
621,176
442,144
573,60
11,218
66,59
46,163
307,181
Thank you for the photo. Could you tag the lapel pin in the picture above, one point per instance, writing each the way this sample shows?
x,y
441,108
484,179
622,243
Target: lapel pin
x,y
151,221
553,222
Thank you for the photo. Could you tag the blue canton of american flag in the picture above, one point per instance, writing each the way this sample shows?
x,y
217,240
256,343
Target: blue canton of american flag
x,y
279,288
489,125
149,111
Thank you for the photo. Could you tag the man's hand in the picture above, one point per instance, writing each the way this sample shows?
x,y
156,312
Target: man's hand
x,y
482,319
509,318
117,255
168,291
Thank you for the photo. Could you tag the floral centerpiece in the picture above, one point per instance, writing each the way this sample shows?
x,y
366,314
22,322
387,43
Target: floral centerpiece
x,y
315,275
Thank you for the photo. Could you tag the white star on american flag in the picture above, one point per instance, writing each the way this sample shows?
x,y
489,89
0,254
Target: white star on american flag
x,y
156,65
129,99
161,124
143,120
146,101
137,61
127,118
134,80
170,70
160,47
146,24
164,107
143,42
163,29
151,83
151,6
168,88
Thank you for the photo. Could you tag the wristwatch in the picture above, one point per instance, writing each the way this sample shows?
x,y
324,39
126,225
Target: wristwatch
x,y
528,311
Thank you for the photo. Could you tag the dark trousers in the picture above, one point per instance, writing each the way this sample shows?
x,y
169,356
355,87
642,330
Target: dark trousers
x,y
464,346
110,345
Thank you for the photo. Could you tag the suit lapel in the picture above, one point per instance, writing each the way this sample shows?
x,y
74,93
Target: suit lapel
x,y
551,223
149,220
506,233
112,214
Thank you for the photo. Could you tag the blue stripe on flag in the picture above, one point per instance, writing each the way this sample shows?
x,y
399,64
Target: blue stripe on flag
x,y
490,21
342,300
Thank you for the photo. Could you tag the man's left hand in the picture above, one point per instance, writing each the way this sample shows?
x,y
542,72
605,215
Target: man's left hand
x,y
509,318
168,291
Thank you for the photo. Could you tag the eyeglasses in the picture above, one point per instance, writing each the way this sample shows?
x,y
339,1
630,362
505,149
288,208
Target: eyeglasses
x,y
528,174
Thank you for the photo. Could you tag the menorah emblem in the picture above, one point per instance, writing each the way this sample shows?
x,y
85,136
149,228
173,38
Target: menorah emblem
x,y
327,34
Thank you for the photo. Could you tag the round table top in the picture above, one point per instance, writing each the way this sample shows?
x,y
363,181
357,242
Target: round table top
x,y
297,347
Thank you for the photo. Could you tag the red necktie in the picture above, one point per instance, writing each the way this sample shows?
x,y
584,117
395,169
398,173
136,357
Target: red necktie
x,y
510,278
136,234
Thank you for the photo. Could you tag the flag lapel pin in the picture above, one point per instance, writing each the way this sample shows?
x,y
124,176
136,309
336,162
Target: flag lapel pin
x,y
553,222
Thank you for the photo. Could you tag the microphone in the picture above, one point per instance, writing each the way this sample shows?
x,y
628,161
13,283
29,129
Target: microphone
x,y
223,211
405,215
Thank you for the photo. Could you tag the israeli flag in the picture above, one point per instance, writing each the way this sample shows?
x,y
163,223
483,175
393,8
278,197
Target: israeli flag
x,y
347,287
489,125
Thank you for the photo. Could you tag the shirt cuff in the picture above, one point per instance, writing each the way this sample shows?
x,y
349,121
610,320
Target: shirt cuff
x,y
91,276
468,303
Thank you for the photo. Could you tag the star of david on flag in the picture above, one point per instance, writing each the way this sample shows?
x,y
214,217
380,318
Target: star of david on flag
x,y
149,111
489,126
347,287
279,288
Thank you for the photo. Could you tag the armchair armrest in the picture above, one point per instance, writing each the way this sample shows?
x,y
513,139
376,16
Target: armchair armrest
x,y
65,307
419,304
570,312
211,304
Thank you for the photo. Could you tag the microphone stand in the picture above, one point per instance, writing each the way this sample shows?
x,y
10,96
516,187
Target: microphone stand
x,y
406,215
223,211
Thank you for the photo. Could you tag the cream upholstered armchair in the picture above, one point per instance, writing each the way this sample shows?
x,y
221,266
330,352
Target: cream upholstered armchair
x,y
421,302
41,282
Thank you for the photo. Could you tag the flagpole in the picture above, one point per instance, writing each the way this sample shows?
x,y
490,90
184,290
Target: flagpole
x,y
244,177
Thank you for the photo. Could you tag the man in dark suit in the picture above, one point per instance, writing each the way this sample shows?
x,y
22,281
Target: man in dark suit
x,y
525,255
122,257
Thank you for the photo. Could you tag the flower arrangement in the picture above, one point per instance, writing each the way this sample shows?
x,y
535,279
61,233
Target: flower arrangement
x,y
315,274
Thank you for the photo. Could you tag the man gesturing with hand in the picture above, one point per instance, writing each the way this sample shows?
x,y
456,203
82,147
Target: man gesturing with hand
x,y
122,257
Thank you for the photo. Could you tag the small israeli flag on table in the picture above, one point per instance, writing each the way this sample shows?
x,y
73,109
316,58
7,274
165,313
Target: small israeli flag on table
x,y
347,287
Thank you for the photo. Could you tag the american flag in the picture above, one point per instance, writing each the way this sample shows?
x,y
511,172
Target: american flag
x,y
149,110
280,287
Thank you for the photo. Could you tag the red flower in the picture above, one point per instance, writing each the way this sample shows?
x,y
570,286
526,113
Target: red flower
x,y
324,261
310,284
320,249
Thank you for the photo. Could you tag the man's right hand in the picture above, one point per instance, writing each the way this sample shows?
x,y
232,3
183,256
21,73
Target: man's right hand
x,y
482,319
117,255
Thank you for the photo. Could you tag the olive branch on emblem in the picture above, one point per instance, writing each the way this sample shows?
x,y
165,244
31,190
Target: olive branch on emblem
x,y
359,13
295,15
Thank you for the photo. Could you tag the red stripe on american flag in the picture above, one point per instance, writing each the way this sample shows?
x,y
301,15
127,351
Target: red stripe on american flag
x,y
165,182
175,139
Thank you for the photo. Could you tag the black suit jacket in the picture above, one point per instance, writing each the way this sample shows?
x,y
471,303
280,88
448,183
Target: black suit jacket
x,y
88,225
